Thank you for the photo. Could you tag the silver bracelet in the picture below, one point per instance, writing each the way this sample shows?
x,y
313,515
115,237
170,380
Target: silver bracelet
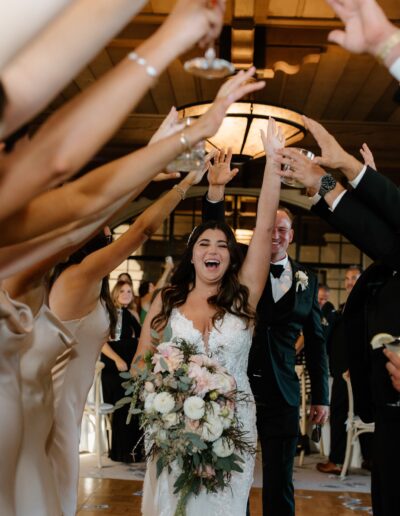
x,y
181,192
150,70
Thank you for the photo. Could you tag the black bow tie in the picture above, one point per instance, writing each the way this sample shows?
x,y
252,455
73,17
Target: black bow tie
x,y
276,270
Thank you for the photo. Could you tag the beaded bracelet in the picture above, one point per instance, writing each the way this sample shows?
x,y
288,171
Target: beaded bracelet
x,y
386,47
150,70
181,192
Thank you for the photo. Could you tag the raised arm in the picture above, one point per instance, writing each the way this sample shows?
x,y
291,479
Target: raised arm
x,y
219,175
367,29
76,290
34,77
73,134
255,268
21,21
98,189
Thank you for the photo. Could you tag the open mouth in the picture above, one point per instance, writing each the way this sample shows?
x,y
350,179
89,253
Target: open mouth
x,y
212,264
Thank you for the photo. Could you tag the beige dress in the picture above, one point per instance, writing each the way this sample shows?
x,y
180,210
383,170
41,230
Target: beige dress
x,y
35,477
16,323
72,384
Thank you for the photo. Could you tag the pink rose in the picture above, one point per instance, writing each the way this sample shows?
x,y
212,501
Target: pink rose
x,y
172,356
203,379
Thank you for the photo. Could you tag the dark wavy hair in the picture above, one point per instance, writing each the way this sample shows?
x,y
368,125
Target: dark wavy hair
x,y
97,242
232,297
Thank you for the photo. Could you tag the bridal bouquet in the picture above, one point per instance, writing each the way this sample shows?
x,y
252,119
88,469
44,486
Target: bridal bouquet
x,y
187,406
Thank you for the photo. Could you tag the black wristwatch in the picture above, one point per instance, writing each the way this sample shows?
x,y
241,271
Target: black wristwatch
x,y
327,184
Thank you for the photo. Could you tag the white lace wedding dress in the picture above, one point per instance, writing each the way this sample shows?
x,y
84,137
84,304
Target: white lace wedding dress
x,y
229,343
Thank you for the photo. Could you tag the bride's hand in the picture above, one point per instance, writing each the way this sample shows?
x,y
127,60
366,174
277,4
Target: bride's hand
x,y
273,140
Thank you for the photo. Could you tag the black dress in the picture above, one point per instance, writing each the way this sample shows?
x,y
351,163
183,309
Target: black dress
x,y
124,437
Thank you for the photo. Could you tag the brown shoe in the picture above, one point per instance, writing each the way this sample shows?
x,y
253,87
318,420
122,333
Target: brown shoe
x,y
329,467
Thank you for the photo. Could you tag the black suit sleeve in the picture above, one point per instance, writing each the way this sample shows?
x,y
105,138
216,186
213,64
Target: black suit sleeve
x,y
364,228
315,350
212,210
381,196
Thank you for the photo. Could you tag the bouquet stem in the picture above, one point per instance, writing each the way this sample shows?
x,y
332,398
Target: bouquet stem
x,y
181,506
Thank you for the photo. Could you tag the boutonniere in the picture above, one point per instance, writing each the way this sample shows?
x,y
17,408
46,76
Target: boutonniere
x,y
301,280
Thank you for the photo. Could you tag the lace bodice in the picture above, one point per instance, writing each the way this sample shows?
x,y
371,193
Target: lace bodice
x,y
228,342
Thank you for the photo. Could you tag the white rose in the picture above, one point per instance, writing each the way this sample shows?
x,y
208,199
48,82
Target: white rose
x,y
194,407
214,408
164,402
212,428
224,383
170,419
223,447
149,403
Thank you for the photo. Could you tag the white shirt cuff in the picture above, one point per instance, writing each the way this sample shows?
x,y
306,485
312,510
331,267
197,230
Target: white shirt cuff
x,y
315,198
213,202
357,179
337,200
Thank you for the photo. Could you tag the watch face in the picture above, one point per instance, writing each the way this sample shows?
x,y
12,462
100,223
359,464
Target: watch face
x,y
328,183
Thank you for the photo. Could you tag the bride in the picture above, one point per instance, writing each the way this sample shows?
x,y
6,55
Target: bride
x,y
211,303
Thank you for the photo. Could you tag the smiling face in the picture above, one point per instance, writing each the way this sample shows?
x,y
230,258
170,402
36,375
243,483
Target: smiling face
x,y
125,295
211,257
282,236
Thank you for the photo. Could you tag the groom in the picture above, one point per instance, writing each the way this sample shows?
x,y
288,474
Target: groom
x,y
288,306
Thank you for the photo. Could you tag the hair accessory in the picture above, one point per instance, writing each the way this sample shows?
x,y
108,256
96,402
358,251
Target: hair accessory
x,y
150,70
191,234
385,48
180,191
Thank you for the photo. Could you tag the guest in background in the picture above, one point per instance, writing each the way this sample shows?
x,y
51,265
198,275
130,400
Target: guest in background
x,y
147,288
117,355
327,309
125,277
339,364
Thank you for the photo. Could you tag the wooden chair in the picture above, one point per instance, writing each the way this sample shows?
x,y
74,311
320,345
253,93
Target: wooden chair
x,y
99,413
355,427
303,407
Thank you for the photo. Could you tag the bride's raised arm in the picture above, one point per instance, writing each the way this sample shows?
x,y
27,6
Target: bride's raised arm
x,y
254,271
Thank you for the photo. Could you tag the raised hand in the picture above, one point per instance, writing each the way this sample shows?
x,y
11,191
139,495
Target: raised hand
x,y
231,91
274,139
169,125
220,172
194,21
332,153
367,155
195,176
366,25
300,167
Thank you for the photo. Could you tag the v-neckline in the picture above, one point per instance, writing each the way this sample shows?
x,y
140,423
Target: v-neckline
x,y
205,343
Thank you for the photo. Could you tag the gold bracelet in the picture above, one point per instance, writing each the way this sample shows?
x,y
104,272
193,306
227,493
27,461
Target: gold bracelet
x,y
180,191
385,48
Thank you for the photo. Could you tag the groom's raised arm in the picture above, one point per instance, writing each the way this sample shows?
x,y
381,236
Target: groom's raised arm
x,y
219,174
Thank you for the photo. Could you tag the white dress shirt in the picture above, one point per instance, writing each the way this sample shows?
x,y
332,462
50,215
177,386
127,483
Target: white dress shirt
x,y
282,285
354,183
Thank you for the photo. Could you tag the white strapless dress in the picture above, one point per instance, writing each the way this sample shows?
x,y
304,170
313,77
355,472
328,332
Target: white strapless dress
x,y
229,343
